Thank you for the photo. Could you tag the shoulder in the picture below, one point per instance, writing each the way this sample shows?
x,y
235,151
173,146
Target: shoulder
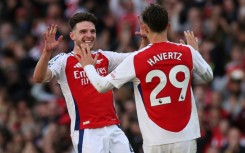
x,y
184,46
112,55
59,58
179,45
104,52
110,52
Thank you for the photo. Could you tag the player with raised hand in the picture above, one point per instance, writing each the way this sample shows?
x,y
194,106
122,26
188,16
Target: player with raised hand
x,y
162,75
94,123
42,73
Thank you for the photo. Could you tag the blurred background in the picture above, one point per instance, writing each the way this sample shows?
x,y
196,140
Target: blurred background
x,y
34,118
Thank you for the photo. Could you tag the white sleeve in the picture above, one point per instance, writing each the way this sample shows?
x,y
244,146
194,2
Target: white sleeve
x,y
202,71
56,65
122,74
100,83
114,58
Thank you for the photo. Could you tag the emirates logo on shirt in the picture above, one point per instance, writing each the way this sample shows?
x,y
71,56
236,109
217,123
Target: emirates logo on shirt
x,y
78,74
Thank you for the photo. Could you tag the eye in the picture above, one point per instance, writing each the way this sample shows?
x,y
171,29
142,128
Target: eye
x,y
83,31
93,31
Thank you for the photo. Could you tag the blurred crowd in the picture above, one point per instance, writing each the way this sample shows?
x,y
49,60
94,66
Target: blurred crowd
x,y
34,118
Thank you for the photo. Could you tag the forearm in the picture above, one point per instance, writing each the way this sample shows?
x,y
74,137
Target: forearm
x,y
205,77
101,84
208,76
201,79
41,73
201,67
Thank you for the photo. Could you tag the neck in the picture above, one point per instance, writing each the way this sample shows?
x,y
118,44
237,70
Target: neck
x,y
157,37
77,49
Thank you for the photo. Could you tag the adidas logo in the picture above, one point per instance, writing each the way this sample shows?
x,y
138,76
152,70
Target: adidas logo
x,y
78,65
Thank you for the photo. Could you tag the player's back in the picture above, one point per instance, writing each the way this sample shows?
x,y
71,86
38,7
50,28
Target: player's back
x,y
164,71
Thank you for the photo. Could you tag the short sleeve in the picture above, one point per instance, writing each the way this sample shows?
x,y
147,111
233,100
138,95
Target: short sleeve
x,y
114,58
56,64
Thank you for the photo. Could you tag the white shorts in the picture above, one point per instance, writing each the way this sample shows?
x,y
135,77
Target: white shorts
x,y
178,147
108,139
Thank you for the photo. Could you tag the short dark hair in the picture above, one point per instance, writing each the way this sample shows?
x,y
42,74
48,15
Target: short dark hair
x,y
82,16
156,17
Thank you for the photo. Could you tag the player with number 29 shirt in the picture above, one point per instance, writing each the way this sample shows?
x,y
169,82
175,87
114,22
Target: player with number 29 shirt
x,y
162,76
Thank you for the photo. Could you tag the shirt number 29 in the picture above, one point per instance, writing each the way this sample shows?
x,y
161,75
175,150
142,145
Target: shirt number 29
x,y
163,81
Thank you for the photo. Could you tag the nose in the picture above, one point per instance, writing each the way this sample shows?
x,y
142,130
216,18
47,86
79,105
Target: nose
x,y
89,34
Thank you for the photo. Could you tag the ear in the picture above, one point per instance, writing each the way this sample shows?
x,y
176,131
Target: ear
x,y
169,26
145,28
72,36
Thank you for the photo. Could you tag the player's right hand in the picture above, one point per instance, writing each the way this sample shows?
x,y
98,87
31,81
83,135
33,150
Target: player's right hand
x,y
50,43
141,31
142,34
85,57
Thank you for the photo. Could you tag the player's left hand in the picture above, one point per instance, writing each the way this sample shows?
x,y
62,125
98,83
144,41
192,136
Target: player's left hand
x,y
191,39
84,57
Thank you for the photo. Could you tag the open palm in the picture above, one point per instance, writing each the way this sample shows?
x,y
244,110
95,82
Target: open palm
x,y
191,39
49,38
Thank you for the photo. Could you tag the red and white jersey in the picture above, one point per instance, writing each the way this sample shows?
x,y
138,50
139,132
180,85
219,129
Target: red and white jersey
x,y
162,77
87,107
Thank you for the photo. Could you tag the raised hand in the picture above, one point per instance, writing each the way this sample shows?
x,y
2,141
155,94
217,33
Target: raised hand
x,y
141,33
49,38
191,39
84,56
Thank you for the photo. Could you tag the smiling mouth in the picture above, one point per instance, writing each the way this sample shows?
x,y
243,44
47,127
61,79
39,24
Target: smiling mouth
x,y
89,42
